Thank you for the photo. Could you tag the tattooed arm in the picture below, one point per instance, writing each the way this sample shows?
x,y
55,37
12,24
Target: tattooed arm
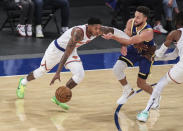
x,y
76,35
106,30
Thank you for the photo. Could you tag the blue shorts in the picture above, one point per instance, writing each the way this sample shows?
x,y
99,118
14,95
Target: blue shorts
x,y
134,57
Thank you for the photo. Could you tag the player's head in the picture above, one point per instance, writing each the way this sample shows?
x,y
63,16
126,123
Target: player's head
x,y
141,15
94,25
179,20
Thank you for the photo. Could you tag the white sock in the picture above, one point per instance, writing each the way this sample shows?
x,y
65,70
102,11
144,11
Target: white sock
x,y
127,87
156,92
24,81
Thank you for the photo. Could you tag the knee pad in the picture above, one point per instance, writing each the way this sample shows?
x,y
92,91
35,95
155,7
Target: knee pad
x,y
119,68
78,77
39,72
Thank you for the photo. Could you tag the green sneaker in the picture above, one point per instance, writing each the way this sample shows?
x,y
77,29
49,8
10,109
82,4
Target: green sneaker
x,y
20,89
143,116
62,105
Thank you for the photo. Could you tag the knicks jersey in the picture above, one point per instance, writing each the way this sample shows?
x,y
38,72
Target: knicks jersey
x,y
64,39
135,32
180,45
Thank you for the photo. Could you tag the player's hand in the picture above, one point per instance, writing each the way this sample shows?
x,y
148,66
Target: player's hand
x,y
107,36
124,50
57,76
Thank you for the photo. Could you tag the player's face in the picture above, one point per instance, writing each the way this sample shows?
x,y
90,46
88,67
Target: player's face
x,y
95,29
139,19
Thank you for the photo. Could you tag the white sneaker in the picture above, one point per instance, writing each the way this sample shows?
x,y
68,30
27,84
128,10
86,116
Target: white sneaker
x,y
143,116
156,104
64,29
29,29
127,93
39,33
159,29
21,30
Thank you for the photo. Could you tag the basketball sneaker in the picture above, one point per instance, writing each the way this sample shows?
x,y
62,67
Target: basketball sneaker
x,y
159,29
39,32
20,89
29,30
156,103
143,116
21,30
62,105
127,93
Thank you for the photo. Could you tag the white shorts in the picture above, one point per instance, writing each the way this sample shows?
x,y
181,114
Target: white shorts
x,y
53,56
176,73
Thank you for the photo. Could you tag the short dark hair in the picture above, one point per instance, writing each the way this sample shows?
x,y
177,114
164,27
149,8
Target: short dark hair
x,y
179,19
144,10
94,20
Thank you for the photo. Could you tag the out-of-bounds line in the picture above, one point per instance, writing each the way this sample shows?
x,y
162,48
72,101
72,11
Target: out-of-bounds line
x,y
116,120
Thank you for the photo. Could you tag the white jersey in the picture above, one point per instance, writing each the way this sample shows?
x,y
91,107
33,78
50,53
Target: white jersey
x,y
64,39
180,45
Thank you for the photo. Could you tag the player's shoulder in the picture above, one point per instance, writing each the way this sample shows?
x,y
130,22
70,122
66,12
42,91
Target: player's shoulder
x,y
78,30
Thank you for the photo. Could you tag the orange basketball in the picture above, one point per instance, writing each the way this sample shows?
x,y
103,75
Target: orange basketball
x,y
63,94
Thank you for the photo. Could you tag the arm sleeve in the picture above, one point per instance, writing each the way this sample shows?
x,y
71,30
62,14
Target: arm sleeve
x,y
120,34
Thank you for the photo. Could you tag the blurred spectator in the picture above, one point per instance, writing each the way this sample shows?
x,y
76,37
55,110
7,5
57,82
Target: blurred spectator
x,y
62,4
124,10
27,9
169,6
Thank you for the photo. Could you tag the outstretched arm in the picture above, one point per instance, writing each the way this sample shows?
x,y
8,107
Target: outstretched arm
x,y
76,35
146,35
169,39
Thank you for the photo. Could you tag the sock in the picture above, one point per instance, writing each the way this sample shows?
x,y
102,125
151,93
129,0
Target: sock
x,y
156,92
127,87
24,81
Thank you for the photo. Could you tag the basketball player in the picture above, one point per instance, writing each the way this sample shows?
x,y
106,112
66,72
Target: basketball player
x,y
64,51
175,74
141,50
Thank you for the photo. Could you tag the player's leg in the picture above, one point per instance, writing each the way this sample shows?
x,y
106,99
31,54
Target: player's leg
x,y
78,73
122,63
143,116
144,70
174,75
51,57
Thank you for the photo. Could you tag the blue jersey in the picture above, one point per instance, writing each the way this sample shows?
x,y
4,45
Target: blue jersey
x,y
135,32
134,55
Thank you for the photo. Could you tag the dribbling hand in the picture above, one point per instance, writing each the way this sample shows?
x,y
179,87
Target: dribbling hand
x,y
57,76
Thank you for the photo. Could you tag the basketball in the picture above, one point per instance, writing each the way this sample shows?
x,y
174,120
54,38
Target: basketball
x,y
63,94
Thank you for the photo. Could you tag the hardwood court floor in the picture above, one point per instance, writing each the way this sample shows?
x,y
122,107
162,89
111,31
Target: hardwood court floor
x,y
92,106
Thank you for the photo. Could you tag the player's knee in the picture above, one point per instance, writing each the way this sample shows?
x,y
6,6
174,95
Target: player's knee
x,y
119,68
78,77
39,72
